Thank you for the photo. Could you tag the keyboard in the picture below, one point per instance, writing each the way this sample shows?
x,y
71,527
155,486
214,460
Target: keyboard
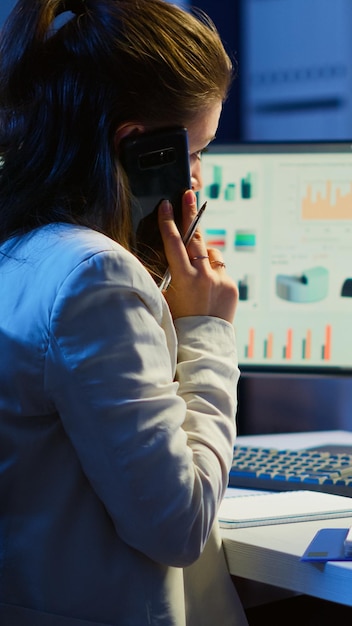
x,y
327,469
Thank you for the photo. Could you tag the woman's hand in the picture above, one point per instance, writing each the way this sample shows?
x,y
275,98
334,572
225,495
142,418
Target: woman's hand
x,y
199,283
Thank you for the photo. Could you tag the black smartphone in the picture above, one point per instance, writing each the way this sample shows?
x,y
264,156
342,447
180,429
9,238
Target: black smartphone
x,y
157,168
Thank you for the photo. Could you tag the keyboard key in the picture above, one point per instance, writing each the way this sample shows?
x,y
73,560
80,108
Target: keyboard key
x,y
280,470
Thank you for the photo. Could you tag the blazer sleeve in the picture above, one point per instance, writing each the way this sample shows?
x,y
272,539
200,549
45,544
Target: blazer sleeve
x,y
155,450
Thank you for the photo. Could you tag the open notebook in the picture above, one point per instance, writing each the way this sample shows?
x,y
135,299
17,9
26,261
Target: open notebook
x,y
281,508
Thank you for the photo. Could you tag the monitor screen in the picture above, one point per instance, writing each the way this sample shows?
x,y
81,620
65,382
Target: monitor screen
x,y
281,214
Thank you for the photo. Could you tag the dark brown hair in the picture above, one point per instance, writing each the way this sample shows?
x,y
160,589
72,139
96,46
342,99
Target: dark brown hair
x,y
69,80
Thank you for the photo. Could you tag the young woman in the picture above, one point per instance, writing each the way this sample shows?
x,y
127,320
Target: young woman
x,y
117,401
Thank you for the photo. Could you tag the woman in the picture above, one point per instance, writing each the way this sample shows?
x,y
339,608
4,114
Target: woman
x,y
117,401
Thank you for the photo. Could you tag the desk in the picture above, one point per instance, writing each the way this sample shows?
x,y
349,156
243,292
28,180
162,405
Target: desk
x,y
271,554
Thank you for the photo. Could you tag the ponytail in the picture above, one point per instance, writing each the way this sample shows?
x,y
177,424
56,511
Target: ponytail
x,y
56,127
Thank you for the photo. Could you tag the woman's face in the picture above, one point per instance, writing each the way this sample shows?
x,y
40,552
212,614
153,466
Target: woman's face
x,y
201,131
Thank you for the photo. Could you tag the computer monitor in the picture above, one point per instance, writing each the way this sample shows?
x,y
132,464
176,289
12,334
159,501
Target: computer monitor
x,y
281,214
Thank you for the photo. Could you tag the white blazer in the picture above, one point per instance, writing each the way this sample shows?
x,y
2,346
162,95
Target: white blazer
x,y
117,429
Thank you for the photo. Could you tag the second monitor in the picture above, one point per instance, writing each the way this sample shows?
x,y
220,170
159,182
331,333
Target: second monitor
x,y
282,216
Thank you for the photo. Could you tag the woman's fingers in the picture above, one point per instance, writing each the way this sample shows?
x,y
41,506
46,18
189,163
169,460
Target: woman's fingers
x,y
199,283
216,259
189,208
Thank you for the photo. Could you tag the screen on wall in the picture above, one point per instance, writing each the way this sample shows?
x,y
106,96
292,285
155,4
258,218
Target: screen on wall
x,y
282,216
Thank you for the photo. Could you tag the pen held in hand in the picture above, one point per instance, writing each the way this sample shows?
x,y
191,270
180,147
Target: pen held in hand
x,y
186,239
193,226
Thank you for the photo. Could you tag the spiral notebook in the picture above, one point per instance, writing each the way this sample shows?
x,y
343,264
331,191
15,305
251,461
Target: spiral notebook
x,y
281,507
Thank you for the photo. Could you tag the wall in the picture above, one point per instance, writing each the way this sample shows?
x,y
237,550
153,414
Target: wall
x,y
297,69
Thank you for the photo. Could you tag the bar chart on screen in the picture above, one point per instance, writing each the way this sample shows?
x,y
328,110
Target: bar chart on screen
x,y
327,201
290,345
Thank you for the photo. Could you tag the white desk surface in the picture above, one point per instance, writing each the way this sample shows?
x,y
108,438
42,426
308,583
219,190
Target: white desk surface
x,y
271,554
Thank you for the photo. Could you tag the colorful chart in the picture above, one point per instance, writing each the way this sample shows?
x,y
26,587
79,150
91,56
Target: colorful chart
x,y
216,238
295,345
333,204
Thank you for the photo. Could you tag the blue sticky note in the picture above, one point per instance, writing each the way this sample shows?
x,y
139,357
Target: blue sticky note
x,y
327,545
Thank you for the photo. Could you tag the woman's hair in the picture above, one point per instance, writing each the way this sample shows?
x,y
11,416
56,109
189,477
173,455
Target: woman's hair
x,y
72,72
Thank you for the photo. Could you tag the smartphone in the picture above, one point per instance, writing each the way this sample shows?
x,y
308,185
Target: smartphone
x,y
157,168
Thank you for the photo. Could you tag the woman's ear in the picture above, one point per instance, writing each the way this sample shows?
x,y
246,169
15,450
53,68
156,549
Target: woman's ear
x,y
129,128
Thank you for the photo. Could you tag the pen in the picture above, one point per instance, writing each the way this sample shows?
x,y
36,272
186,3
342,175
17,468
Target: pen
x,y
186,239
